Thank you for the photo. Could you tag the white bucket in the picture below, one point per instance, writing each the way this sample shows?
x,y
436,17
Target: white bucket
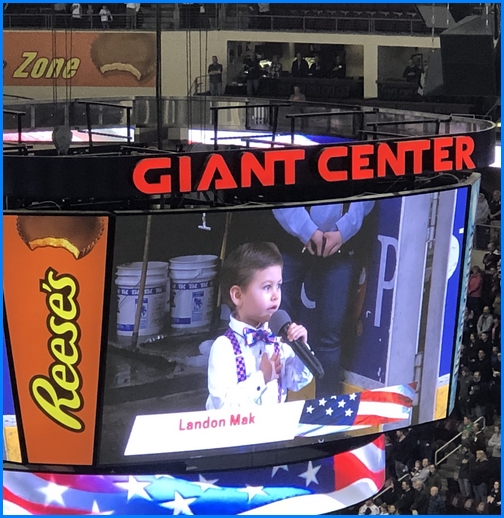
x,y
192,292
154,299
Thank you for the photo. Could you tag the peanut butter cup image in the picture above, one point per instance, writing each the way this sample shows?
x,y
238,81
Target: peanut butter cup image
x,y
77,234
133,54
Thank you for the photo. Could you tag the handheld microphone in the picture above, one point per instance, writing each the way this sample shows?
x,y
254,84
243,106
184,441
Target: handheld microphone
x,y
279,324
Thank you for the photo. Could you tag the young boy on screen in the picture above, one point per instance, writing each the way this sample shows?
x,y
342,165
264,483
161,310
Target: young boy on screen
x,y
248,364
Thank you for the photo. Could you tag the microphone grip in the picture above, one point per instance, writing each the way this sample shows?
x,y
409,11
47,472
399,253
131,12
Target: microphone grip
x,y
306,356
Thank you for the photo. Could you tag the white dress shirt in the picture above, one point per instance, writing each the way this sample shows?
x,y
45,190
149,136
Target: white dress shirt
x,y
223,386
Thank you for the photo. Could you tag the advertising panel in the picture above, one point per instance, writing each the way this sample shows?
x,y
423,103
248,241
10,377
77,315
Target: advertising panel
x,y
76,58
54,283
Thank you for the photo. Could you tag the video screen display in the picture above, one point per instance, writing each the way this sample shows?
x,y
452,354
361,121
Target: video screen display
x,y
370,288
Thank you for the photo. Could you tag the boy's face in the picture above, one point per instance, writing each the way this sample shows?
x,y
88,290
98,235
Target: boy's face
x,y
261,298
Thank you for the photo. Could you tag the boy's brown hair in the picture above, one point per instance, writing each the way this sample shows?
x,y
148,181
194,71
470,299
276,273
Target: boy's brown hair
x,y
242,263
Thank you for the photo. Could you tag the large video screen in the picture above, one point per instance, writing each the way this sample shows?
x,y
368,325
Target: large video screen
x,y
371,286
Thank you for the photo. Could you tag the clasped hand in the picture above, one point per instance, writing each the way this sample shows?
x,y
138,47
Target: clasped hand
x,y
324,244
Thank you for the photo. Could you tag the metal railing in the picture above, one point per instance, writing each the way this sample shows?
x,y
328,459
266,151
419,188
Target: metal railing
x,y
438,452
328,22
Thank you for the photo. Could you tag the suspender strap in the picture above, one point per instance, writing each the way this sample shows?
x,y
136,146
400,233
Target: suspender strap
x,y
240,363
241,372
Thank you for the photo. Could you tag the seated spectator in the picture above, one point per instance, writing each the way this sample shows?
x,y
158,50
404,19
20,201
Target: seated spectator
x,y
317,68
369,507
436,502
392,509
299,66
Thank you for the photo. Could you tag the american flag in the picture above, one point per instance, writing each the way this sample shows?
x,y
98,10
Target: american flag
x,y
311,487
355,411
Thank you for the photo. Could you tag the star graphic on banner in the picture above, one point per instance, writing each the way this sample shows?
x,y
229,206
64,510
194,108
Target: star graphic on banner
x,y
96,510
348,412
163,476
205,484
341,404
322,402
334,397
276,468
252,491
134,488
352,397
329,411
180,505
310,475
53,493
310,409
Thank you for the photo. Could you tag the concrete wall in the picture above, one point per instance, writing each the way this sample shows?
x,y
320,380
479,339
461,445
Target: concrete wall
x,y
186,55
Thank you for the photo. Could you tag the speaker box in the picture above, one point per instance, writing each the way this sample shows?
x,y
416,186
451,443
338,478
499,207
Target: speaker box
x,y
468,59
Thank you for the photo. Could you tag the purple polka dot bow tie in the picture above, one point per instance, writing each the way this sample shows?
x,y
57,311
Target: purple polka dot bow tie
x,y
256,335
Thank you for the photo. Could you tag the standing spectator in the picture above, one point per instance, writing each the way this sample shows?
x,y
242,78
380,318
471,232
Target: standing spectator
x,y
479,475
469,324
423,473
478,395
339,69
412,73
484,344
105,17
436,502
463,475
131,15
76,15
275,69
421,501
483,365
495,215
299,66
434,479
482,215
369,507
485,322
215,74
477,440
253,70
90,13
494,444
495,333
297,95
494,499
317,68
463,394
406,499
475,290
492,257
